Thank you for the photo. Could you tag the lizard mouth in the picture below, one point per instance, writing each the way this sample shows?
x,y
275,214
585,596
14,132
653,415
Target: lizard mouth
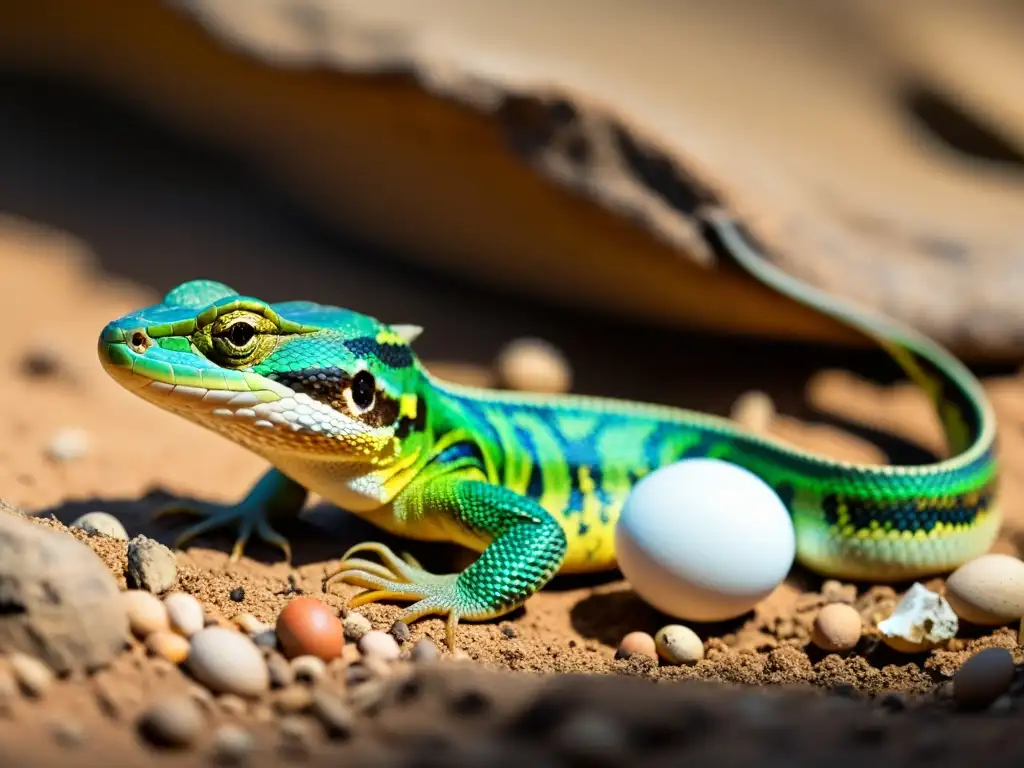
x,y
241,404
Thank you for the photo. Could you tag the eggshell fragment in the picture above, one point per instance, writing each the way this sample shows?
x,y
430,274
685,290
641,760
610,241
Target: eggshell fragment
x,y
921,620
704,540
983,678
837,627
307,626
988,590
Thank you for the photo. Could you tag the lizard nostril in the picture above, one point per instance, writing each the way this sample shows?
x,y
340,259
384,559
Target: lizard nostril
x,y
139,340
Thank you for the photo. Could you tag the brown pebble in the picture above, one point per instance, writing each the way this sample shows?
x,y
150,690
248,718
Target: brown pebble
x,y
175,721
67,734
983,678
424,650
309,626
753,410
296,734
146,612
837,627
230,704
356,625
168,645
379,645
294,698
249,624
335,715
534,365
400,631
280,671
639,643
34,677
232,744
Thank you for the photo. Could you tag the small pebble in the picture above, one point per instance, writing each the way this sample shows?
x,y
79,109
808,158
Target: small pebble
x,y
41,362
296,734
379,645
151,565
34,677
988,590
309,669
185,613
333,713
8,690
237,595
837,627
146,613
309,626
677,644
67,734
424,650
294,698
533,365
639,643
400,631
175,721
232,705
226,661
356,625
68,445
753,410
202,696
232,745
102,524
983,678
281,672
168,645
249,624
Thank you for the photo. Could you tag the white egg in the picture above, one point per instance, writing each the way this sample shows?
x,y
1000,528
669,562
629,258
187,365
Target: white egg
x,y
704,540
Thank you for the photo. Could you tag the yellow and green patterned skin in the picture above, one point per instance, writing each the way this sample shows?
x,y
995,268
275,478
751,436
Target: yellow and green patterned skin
x,y
339,404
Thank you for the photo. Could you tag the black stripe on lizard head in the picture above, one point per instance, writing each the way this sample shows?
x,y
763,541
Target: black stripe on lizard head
x,y
328,385
391,355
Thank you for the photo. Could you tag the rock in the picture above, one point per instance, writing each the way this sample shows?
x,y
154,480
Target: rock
x,y
102,524
168,645
146,613
333,713
379,645
356,625
175,721
58,601
837,627
637,643
677,644
281,673
34,677
424,650
226,661
185,613
310,669
232,744
988,590
983,678
68,445
151,565
400,631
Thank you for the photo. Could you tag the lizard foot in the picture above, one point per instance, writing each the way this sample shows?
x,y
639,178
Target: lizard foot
x,y
402,578
249,516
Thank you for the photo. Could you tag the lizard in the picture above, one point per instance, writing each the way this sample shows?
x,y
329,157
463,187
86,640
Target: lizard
x,y
339,404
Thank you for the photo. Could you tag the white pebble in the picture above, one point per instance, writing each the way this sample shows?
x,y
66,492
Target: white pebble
x,y
309,668
988,590
32,675
677,644
68,445
146,612
356,625
185,613
379,645
704,540
921,620
101,523
250,624
226,661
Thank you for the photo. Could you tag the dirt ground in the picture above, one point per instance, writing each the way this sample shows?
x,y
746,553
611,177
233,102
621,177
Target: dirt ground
x,y
61,283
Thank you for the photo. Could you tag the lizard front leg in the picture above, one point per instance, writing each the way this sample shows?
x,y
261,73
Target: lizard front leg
x,y
274,495
527,547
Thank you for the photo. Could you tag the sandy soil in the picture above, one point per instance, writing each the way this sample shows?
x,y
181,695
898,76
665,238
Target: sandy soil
x,y
62,281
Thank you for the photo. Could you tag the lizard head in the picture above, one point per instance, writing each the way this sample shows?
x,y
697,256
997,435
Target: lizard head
x,y
292,378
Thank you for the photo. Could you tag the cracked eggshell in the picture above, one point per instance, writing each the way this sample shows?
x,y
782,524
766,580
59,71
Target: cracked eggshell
x,y
988,591
921,620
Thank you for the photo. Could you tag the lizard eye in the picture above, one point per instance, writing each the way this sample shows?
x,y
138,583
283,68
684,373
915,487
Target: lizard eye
x,y
240,333
364,390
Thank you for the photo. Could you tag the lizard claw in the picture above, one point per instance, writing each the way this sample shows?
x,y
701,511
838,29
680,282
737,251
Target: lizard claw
x,y
401,578
248,516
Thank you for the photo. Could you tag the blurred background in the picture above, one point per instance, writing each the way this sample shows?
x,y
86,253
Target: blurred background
x,y
493,170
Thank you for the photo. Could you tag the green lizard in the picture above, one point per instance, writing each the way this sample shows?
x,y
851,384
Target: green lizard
x,y
339,404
